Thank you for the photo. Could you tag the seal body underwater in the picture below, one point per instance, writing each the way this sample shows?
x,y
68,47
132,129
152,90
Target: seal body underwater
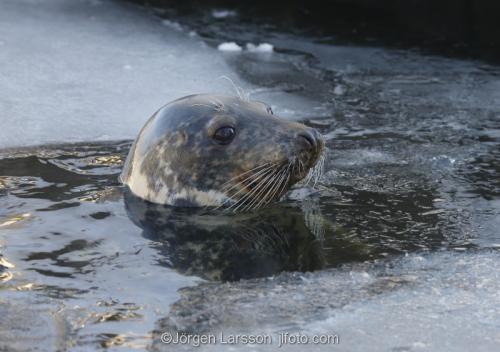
x,y
219,151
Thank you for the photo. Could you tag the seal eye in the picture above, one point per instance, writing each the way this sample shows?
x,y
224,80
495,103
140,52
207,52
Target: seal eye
x,y
224,135
269,110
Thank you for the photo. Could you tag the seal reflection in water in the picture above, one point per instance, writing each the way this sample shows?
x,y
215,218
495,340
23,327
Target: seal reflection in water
x,y
228,246
219,152
200,171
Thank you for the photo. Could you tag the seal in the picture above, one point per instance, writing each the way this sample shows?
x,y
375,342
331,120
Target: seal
x,y
219,151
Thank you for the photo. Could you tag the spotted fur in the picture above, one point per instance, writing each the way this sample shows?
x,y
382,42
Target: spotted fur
x,y
175,160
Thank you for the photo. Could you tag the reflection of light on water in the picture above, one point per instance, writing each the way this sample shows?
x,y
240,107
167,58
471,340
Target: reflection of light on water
x,y
3,182
26,287
90,198
5,263
118,316
113,340
14,219
134,341
110,193
4,277
108,160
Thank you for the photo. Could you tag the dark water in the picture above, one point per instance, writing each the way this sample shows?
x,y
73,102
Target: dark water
x,y
413,172
340,222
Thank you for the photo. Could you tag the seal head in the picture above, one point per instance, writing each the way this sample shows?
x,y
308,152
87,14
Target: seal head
x,y
219,151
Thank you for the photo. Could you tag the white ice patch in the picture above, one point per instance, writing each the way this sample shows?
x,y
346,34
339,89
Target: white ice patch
x,y
260,48
223,13
230,46
172,25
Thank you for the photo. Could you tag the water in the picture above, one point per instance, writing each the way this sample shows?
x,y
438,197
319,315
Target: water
x,y
397,249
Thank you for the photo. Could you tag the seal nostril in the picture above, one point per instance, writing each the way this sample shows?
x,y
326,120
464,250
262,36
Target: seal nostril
x,y
309,138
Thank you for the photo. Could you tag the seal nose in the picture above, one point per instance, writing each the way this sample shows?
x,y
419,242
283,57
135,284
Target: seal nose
x,y
309,138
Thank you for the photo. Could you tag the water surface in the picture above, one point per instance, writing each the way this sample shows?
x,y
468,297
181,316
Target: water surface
x,y
396,248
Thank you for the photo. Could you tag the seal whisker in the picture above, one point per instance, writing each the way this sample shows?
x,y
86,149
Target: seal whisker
x,y
242,93
322,164
284,183
225,184
257,191
278,175
319,168
267,167
306,180
281,177
253,192
244,96
247,96
274,188
294,163
264,175
243,182
316,172
236,88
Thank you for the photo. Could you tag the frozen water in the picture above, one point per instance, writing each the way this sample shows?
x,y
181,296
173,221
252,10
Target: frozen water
x,y
451,303
438,302
223,13
172,24
231,46
86,70
260,48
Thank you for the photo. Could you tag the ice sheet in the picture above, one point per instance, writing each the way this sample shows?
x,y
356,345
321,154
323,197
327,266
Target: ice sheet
x,y
90,70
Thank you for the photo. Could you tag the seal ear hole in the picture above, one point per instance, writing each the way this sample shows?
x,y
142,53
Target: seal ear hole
x,y
224,135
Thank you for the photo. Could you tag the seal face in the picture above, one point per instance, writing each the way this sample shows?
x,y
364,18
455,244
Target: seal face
x,y
219,151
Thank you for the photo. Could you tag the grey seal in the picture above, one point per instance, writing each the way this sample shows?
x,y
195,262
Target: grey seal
x,y
219,151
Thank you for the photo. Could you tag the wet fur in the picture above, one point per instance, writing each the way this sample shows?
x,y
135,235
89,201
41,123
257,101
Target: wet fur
x,y
175,161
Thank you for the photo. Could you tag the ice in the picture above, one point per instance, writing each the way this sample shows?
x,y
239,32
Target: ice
x,y
172,25
453,305
229,46
223,13
86,70
432,302
260,48
91,71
